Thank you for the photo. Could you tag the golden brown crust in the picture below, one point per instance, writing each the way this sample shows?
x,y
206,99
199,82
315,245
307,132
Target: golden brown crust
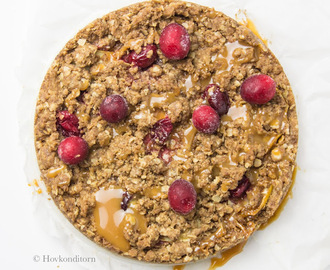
x,y
257,141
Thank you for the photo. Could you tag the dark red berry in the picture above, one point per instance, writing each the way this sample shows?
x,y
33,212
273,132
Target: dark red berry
x,y
144,59
241,188
67,124
258,89
149,144
161,130
80,98
125,200
218,100
114,108
174,41
72,150
182,196
165,155
206,119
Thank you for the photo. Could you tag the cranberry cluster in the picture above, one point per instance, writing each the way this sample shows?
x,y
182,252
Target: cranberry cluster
x,y
72,149
174,44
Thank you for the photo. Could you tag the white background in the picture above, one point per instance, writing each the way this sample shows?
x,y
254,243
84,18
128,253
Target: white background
x,y
33,32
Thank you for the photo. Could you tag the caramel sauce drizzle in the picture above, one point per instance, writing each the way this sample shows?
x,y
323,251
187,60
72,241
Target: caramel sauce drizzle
x,y
153,193
154,104
214,237
248,116
249,24
52,173
283,203
178,267
226,59
111,221
119,129
226,256
104,58
186,137
159,100
262,204
192,82
36,186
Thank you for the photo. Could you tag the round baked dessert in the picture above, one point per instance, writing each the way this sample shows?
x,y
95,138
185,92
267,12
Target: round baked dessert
x,y
166,131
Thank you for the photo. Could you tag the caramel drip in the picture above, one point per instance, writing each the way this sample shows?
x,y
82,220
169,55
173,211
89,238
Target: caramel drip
x,y
186,175
159,100
242,18
159,114
205,82
249,24
97,69
143,110
266,140
153,193
283,203
248,118
226,256
253,174
111,221
155,103
186,137
35,183
83,117
232,49
205,244
178,267
262,204
231,56
192,82
106,56
54,172
120,128
198,176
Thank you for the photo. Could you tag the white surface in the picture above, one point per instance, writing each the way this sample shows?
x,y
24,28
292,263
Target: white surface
x,y
299,35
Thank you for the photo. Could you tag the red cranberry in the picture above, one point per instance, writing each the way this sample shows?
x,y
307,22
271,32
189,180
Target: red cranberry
x,y
165,155
218,100
241,188
125,200
206,119
174,41
114,108
73,150
182,196
67,124
258,89
161,130
145,58
149,144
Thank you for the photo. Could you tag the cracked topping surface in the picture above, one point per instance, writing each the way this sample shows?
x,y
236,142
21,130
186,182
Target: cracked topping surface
x,y
118,195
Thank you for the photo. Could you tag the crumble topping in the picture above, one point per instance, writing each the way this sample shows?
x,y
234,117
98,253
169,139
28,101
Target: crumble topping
x,y
254,141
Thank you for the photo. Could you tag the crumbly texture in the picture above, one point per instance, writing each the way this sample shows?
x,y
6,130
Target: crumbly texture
x,y
259,141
